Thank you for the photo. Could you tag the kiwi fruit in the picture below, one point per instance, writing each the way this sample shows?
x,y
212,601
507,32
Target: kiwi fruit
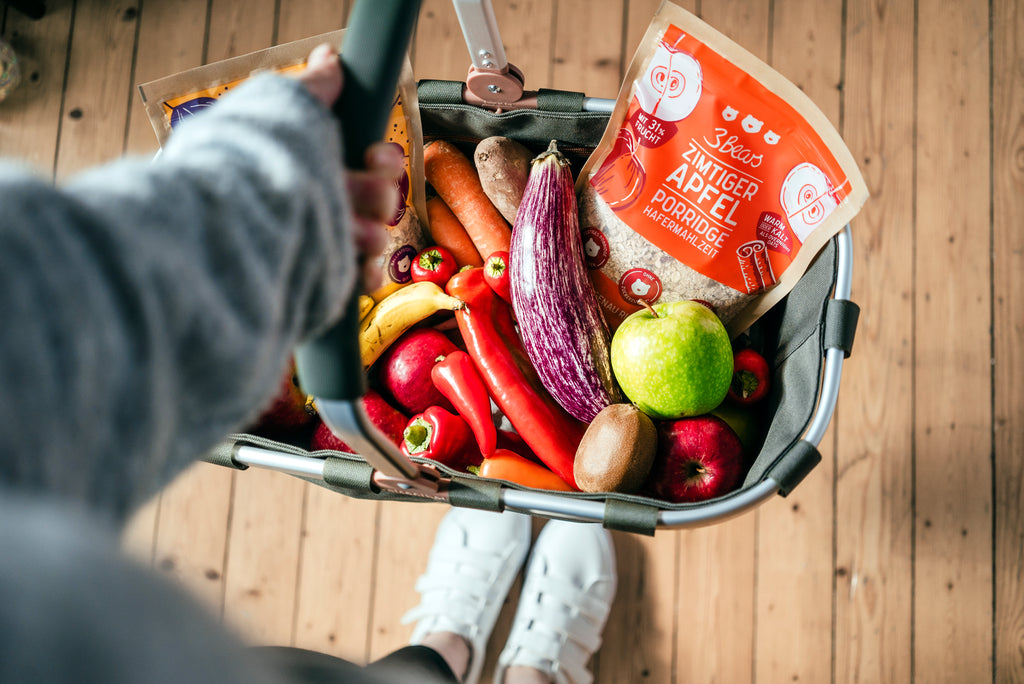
x,y
617,450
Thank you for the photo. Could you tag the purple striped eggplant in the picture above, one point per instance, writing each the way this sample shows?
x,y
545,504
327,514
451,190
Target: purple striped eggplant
x,y
560,321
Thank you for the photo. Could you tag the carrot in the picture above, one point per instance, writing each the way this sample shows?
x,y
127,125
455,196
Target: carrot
x,y
450,234
456,180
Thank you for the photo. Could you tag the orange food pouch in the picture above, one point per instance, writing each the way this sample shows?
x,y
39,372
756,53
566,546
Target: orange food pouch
x,y
717,179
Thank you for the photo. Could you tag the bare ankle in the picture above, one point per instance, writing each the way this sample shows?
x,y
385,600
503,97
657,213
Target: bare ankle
x,y
521,674
453,648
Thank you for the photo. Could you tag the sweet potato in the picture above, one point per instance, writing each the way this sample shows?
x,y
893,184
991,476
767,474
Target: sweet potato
x,y
504,166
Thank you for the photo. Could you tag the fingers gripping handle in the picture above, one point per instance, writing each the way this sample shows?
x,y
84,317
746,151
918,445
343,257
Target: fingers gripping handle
x,y
372,55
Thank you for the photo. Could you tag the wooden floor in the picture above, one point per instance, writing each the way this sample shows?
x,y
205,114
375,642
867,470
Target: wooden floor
x,y
899,559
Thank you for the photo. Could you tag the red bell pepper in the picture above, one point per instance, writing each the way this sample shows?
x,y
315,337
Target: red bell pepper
x,y
496,274
435,264
442,436
457,379
751,377
508,465
489,333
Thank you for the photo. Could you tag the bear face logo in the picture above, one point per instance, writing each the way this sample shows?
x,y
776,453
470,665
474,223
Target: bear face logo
x,y
640,288
771,137
730,114
639,285
751,125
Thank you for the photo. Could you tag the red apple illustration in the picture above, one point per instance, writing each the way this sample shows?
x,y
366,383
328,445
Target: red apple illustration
x,y
621,177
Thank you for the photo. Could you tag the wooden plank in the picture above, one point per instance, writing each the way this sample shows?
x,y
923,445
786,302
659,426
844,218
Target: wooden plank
x,y
439,48
172,38
639,14
191,531
874,456
98,89
406,535
795,565
297,19
1008,331
30,117
261,572
336,577
638,643
238,28
953,398
588,52
526,29
714,639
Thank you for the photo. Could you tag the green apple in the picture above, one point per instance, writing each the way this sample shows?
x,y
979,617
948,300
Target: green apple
x,y
673,359
745,422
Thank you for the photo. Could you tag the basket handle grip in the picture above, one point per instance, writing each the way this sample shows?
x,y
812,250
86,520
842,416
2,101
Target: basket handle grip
x,y
330,365
372,55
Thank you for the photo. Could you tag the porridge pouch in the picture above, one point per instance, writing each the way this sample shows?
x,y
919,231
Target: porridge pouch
x,y
717,179
172,99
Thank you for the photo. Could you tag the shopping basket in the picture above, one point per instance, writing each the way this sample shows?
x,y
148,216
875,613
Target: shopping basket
x,y
806,336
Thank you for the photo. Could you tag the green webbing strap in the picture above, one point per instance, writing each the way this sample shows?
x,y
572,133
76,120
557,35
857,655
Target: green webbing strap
x,y
349,474
627,516
436,92
794,466
841,325
481,494
439,92
223,455
559,101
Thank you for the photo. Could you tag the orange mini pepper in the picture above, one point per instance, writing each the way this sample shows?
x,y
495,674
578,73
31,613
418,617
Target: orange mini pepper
x,y
508,465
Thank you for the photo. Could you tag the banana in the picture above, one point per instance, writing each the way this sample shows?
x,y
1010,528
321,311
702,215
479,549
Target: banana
x,y
398,312
383,291
366,303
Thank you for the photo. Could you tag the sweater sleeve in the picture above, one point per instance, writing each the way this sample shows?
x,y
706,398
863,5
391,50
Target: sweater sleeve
x,y
150,307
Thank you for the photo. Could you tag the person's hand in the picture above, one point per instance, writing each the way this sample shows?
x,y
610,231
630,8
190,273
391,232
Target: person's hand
x,y
322,75
375,196
374,191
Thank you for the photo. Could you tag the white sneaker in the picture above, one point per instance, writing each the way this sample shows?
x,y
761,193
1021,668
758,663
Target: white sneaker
x,y
567,595
473,563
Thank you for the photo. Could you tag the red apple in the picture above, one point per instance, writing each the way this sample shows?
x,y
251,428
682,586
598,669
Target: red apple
x,y
698,458
404,370
386,417
286,412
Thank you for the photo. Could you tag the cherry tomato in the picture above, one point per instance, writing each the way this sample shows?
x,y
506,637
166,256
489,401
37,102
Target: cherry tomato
x,y
434,264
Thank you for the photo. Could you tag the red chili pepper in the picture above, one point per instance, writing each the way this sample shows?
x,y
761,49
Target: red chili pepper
x,y
442,436
508,465
751,377
489,333
458,380
496,275
435,264
513,442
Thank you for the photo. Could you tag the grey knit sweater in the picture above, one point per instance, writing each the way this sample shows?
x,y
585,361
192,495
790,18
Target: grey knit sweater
x,y
149,307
